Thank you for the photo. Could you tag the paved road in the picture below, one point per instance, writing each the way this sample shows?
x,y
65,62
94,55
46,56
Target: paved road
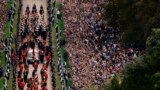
x,y
38,3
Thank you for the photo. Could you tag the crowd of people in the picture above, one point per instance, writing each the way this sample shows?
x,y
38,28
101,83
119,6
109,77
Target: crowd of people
x,y
3,18
34,51
95,50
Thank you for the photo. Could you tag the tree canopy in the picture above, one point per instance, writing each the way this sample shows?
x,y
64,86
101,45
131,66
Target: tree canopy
x,y
134,18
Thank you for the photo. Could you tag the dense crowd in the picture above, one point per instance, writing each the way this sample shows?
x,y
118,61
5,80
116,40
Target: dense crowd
x,y
3,18
34,51
95,50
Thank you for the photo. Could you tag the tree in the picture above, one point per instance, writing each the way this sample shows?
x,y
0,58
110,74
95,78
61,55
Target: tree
x,y
134,18
153,49
114,84
1,71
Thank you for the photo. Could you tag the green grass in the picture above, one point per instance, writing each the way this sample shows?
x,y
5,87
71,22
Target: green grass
x,y
3,63
2,58
7,29
10,81
6,35
58,84
59,5
15,23
9,3
61,27
57,77
69,82
1,82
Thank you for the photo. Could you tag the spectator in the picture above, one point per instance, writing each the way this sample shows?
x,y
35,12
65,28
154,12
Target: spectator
x,y
94,49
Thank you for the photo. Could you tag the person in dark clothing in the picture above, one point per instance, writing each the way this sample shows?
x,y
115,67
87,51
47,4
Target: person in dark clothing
x,y
25,73
1,71
41,55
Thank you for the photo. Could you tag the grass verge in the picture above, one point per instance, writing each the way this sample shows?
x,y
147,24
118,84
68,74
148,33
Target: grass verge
x,y
68,83
10,81
58,84
6,35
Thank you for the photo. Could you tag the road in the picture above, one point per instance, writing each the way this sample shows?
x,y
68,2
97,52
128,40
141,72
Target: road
x,y
38,3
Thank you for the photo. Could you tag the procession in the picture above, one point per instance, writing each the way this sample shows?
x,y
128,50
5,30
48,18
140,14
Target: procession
x,y
68,44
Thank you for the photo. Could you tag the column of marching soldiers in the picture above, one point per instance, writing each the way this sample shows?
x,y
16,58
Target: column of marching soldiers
x,y
7,44
63,73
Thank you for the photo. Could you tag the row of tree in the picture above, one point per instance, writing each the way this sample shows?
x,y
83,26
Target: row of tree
x,y
134,18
